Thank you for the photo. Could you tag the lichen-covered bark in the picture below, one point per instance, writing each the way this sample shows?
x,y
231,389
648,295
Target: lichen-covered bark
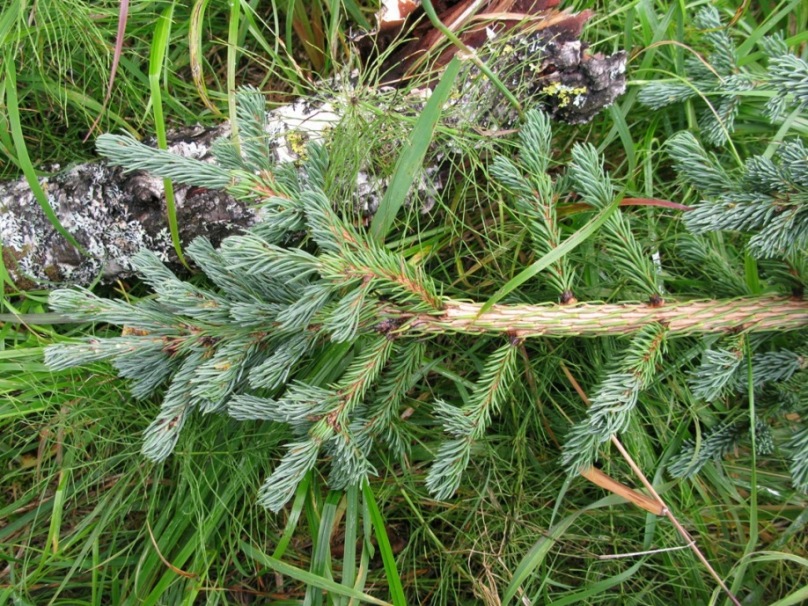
x,y
113,214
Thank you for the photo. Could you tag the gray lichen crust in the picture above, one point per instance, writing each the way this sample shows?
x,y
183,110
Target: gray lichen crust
x,y
551,71
112,215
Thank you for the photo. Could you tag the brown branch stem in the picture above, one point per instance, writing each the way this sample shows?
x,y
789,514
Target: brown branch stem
x,y
600,319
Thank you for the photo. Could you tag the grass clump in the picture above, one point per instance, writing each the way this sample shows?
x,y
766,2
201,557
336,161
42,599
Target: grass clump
x,y
89,519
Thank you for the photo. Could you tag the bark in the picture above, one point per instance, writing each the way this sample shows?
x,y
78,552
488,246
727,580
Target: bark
x,y
113,214
730,316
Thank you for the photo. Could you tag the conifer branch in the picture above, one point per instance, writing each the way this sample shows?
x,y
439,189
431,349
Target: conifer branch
x,y
611,408
723,79
469,423
798,446
305,278
718,371
594,185
535,196
601,319
381,418
124,150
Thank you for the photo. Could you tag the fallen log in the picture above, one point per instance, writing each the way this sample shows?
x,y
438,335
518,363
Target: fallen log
x,y
534,49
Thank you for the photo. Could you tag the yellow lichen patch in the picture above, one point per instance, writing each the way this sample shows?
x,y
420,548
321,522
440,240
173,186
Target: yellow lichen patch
x,y
297,144
565,94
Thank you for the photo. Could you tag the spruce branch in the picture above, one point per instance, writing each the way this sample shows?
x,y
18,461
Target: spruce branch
x,y
611,407
381,417
254,138
535,195
239,291
698,167
776,366
83,306
798,447
723,79
299,459
163,433
353,310
329,414
469,423
720,441
177,295
360,376
602,319
276,369
718,371
68,355
246,407
304,404
306,281
718,268
217,377
769,198
127,152
788,77
594,185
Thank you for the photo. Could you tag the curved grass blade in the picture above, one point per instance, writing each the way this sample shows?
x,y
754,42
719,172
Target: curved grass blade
x,y
157,54
592,589
123,15
541,548
322,551
536,555
294,517
429,9
306,577
24,159
386,551
351,527
195,54
575,240
232,58
412,158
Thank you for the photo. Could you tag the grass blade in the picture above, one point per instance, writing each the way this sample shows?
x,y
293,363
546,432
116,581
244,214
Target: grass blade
x,y
536,555
123,14
412,158
195,54
307,577
23,159
351,527
294,517
386,551
322,550
541,548
554,255
162,31
593,589
232,58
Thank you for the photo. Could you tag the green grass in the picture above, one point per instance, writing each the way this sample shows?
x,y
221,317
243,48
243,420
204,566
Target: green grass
x,y
85,519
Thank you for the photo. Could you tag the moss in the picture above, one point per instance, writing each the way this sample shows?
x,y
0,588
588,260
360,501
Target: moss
x,y
11,258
